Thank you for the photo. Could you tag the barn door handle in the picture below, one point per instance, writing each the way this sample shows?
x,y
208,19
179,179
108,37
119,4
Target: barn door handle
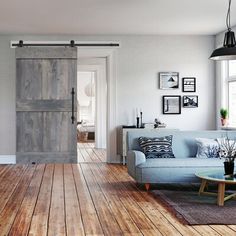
x,y
73,105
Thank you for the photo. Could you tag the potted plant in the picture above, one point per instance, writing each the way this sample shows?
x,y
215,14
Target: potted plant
x,y
223,115
228,152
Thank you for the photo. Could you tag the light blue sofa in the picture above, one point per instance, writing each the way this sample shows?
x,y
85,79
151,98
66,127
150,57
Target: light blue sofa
x,y
180,169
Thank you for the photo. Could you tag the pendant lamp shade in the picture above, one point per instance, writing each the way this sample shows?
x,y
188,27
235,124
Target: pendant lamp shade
x,y
228,51
90,90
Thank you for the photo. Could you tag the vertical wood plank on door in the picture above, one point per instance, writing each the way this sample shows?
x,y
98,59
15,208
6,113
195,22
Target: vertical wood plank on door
x,y
29,131
58,132
55,79
57,224
28,79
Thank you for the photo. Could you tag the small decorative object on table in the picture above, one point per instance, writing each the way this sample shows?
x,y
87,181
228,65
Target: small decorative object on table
x,y
141,119
159,124
223,115
137,119
228,151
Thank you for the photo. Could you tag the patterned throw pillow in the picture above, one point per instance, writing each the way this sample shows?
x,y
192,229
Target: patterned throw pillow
x,y
160,147
207,148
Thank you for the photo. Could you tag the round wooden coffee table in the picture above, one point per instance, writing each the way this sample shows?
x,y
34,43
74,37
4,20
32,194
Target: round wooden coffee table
x,y
219,178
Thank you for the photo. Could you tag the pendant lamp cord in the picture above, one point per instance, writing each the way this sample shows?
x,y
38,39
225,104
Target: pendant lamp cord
x,y
228,17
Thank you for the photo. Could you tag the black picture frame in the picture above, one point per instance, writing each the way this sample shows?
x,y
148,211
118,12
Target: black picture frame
x,y
189,84
169,80
190,101
171,104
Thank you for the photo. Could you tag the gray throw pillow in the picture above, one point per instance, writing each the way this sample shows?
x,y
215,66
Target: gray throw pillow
x,y
158,147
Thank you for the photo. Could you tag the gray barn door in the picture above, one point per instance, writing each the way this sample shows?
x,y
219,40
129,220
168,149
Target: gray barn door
x,y
45,78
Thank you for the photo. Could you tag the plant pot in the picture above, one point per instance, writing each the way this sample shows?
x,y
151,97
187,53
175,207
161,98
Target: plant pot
x,y
224,122
229,167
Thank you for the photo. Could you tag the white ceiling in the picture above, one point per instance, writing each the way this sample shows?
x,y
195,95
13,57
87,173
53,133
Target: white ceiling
x,y
114,16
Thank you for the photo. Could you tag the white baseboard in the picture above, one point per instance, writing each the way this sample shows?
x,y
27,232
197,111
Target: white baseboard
x,y
7,159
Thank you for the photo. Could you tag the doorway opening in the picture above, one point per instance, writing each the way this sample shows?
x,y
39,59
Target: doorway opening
x,y
91,109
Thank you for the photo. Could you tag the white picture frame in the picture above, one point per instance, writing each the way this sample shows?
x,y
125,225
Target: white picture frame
x,y
169,80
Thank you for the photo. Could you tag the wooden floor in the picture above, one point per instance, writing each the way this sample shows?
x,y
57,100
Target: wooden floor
x,y
84,199
87,153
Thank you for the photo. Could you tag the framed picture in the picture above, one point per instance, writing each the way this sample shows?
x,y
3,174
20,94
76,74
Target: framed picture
x,y
190,101
189,84
171,104
169,80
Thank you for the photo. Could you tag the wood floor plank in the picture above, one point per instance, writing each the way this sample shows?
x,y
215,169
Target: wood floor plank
x,y
80,157
9,181
74,223
158,220
120,171
24,215
205,230
3,168
233,227
223,230
39,223
122,216
57,225
85,155
92,155
13,204
90,219
144,197
101,155
106,218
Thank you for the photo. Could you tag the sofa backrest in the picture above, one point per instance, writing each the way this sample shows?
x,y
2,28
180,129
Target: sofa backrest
x,y
183,142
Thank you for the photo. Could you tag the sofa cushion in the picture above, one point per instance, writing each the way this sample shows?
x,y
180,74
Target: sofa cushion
x,y
182,163
157,147
207,148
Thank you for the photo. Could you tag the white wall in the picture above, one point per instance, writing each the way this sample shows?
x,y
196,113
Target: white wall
x,y
140,58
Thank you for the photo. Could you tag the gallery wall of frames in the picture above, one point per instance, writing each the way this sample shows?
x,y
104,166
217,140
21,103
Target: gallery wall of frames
x,y
172,104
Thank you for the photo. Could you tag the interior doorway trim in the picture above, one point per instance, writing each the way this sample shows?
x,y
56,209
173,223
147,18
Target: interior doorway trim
x,y
111,55
98,66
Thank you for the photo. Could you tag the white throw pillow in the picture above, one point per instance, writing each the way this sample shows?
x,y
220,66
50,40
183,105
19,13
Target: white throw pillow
x,y
207,148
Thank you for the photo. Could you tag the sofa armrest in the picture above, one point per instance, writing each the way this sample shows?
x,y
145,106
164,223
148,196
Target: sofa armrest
x,y
134,158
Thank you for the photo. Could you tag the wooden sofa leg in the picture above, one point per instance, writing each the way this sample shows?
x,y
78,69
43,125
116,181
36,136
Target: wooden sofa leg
x,y
147,186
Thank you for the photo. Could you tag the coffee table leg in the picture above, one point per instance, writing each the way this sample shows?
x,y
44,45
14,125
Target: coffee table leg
x,y
202,187
221,194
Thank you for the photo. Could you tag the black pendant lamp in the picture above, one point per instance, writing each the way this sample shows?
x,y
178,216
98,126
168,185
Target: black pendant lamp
x,y
228,51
